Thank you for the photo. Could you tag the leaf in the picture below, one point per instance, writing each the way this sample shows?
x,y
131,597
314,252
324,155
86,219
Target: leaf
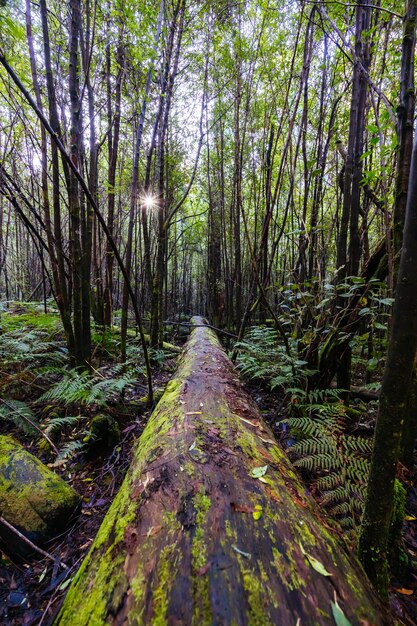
x,y
405,592
258,472
242,508
319,567
65,584
410,518
257,514
386,301
42,576
247,555
315,564
339,617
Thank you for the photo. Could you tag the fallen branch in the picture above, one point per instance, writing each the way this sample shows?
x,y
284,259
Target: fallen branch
x,y
30,543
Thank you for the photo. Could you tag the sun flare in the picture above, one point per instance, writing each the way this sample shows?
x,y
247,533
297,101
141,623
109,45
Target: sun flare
x,y
149,201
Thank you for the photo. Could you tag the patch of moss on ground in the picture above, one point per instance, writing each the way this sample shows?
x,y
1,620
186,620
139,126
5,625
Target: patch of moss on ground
x,y
48,322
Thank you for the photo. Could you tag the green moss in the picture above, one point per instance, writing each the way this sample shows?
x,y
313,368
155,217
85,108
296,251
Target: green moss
x,y
167,571
306,536
138,587
398,513
48,322
255,592
104,433
202,613
32,497
287,570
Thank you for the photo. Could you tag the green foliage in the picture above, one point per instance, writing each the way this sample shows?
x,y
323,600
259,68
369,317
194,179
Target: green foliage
x,y
31,349
54,426
70,449
20,414
337,461
262,356
32,318
35,369
82,388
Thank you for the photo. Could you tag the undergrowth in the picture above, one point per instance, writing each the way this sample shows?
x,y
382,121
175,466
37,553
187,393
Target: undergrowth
x,y
337,460
321,430
47,401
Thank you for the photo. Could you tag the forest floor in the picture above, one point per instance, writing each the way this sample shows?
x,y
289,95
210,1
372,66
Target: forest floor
x,y
403,590
31,592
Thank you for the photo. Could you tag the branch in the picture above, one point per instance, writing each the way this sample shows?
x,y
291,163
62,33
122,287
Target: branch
x,y
29,421
355,59
30,543
347,4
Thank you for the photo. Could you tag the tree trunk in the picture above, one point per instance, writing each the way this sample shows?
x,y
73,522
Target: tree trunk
x,y
193,538
373,546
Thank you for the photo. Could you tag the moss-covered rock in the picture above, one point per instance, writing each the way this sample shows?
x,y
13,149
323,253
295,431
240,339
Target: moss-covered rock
x,y
32,497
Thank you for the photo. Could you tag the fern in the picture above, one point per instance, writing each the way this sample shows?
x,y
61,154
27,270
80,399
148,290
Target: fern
x,y
31,349
337,460
69,450
82,388
262,356
55,425
20,414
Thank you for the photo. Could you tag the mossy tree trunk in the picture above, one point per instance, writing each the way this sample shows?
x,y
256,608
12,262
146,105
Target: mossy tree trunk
x,y
397,380
195,537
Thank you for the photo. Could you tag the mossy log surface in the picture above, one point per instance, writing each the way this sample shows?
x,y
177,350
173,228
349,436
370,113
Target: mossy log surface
x,y
181,544
32,498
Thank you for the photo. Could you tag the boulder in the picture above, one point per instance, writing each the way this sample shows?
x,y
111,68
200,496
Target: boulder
x,y
35,500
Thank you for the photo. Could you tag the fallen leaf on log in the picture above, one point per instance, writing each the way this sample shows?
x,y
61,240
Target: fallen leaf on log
x,y
315,564
257,514
203,570
258,472
247,555
339,617
242,508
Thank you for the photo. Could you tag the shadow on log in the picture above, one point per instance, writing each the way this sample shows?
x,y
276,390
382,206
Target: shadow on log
x,y
212,525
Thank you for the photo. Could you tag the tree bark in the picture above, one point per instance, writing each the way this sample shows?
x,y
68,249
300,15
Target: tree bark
x,y
181,543
373,545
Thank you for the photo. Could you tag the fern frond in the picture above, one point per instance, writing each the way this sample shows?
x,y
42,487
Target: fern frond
x,y
69,450
315,445
20,414
319,462
56,424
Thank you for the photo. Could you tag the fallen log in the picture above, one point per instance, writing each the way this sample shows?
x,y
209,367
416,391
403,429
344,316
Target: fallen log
x,y
212,525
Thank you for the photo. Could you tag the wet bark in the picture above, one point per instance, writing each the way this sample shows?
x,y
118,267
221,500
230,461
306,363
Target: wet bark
x,y
181,543
373,546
